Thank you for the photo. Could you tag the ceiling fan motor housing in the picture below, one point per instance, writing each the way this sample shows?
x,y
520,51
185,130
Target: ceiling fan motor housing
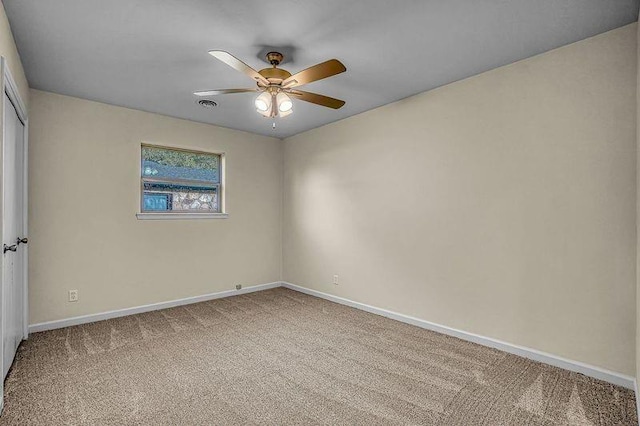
x,y
275,75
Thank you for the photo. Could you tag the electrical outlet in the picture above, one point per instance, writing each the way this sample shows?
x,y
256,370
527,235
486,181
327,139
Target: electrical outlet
x,y
335,279
73,295
238,286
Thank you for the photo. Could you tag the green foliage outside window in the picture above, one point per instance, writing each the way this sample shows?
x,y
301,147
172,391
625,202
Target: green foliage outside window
x,y
170,157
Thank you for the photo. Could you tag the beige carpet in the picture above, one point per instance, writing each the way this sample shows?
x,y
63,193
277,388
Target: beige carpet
x,y
281,357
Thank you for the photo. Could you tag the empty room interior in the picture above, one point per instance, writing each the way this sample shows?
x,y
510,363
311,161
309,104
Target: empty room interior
x,y
355,212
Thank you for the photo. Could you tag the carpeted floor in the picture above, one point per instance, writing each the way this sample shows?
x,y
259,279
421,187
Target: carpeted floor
x,y
281,357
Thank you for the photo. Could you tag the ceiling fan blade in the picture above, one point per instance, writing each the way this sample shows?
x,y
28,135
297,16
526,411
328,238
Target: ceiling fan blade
x,y
236,63
314,98
315,73
222,92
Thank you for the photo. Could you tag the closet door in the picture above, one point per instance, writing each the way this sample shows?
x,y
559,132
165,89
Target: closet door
x,y
13,253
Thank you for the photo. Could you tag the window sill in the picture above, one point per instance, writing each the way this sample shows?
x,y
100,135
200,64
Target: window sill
x,y
180,216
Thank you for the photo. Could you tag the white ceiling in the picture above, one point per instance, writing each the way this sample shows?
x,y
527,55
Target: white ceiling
x,y
151,55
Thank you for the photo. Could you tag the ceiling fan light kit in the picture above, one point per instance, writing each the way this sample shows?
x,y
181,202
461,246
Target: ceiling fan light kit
x,y
272,103
276,85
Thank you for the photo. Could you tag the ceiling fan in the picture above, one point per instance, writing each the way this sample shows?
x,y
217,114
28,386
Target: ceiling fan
x,y
277,86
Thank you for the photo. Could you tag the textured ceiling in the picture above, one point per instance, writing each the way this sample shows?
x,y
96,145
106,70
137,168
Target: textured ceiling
x,y
151,55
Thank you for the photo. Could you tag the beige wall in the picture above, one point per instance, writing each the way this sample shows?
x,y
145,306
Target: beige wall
x,y
503,204
84,193
9,51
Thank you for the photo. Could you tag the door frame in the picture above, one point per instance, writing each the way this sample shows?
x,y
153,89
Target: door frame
x,y
9,86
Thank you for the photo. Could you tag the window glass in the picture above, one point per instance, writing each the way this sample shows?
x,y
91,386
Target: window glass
x,y
175,180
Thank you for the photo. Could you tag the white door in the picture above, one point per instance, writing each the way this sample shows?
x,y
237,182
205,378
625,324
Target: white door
x,y
12,226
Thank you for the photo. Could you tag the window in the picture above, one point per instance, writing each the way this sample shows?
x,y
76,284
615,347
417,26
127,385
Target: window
x,y
178,182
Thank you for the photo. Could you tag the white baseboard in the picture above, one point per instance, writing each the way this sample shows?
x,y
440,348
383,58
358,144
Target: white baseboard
x,y
84,319
533,354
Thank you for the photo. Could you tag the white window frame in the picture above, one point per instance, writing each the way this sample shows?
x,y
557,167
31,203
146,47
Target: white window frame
x,y
186,214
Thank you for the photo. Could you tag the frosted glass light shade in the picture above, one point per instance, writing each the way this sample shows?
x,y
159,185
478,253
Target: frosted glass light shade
x,y
263,102
284,102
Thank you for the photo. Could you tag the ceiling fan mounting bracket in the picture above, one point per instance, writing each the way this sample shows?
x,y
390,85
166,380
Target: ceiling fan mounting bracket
x,y
274,58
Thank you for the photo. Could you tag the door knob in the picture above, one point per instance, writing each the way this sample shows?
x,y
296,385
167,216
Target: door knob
x,y
9,248
24,240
